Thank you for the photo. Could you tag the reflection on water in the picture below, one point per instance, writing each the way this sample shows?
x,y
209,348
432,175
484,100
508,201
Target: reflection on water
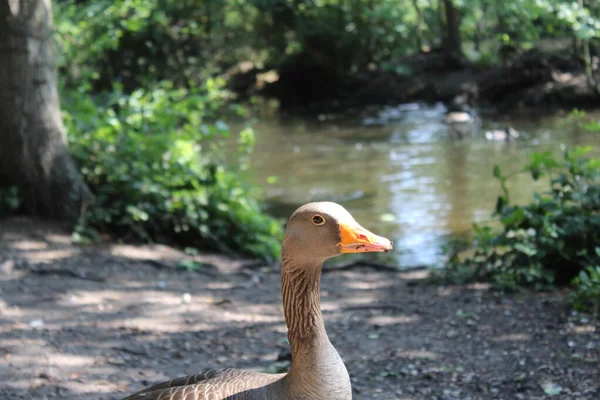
x,y
399,173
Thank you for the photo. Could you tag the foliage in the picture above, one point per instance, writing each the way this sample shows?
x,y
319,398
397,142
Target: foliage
x,y
148,146
587,288
548,241
132,41
142,91
143,106
154,165
9,200
580,118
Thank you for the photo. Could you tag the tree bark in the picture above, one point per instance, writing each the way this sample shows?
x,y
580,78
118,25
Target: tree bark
x,y
33,145
452,40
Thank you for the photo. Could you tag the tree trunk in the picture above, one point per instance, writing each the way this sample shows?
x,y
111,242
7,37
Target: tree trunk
x,y
452,40
33,145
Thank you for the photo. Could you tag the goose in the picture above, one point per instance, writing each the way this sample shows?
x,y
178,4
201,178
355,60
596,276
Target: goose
x,y
461,121
458,117
315,232
506,134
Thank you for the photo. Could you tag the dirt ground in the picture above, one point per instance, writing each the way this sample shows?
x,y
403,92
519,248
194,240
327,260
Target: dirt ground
x,y
100,322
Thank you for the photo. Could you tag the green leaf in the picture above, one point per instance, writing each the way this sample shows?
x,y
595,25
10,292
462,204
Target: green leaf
x,y
500,204
497,172
514,218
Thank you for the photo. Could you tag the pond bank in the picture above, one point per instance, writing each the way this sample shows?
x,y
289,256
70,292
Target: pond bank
x,y
97,322
534,79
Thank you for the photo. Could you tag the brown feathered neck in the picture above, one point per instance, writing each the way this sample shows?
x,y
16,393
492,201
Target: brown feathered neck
x,y
300,290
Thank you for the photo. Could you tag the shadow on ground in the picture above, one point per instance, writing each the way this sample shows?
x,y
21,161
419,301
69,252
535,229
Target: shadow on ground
x,y
98,322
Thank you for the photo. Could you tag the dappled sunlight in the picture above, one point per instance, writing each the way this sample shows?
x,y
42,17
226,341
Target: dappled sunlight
x,y
444,291
362,300
101,386
158,322
387,320
479,286
328,306
29,245
242,317
415,275
46,256
146,252
28,344
9,311
220,285
65,240
143,323
582,329
67,360
418,354
365,285
513,337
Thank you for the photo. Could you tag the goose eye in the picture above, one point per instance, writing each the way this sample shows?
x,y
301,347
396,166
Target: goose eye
x,y
318,220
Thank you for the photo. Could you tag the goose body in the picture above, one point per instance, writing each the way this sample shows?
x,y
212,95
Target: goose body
x,y
315,232
506,135
458,117
460,123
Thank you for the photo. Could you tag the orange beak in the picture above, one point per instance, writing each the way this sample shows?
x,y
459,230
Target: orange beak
x,y
356,239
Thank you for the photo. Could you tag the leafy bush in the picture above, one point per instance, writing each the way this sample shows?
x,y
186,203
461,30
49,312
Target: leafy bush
x,y
582,121
549,241
158,173
9,200
142,110
587,288
133,42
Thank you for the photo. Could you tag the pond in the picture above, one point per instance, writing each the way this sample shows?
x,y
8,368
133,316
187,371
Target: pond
x,y
399,171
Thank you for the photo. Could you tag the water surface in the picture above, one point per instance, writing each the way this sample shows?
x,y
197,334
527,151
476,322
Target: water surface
x,y
399,172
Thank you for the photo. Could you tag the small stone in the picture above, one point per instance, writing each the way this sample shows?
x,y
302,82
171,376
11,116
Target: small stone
x,y
115,360
551,388
187,298
36,323
7,267
451,333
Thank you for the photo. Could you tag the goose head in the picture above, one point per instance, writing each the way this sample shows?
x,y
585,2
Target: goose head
x,y
318,231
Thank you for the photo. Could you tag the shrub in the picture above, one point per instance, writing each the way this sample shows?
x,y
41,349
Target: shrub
x,y
142,111
550,241
9,200
587,288
158,173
